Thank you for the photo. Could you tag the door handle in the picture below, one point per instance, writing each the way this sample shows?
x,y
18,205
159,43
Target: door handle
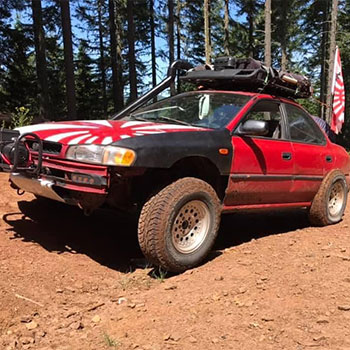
x,y
286,155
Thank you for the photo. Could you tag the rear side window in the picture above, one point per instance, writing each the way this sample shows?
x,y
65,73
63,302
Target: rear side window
x,y
302,128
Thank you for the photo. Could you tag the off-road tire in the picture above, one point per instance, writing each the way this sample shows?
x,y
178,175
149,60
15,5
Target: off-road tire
x,y
158,219
332,190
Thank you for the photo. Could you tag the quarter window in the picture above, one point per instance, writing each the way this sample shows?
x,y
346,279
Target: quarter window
x,y
301,127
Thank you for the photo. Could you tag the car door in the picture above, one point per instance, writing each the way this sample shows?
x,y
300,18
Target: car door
x,y
312,156
262,166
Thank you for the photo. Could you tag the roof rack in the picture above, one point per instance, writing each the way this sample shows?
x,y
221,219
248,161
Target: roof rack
x,y
247,74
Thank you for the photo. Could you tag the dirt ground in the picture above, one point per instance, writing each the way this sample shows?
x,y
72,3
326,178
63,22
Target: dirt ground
x,y
73,282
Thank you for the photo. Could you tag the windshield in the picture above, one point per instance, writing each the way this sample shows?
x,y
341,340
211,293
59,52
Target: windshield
x,y
203,109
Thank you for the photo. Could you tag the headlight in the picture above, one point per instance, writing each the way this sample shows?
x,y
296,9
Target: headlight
x,y
106,155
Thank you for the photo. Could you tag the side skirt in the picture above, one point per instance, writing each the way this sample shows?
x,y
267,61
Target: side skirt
x,y
230,209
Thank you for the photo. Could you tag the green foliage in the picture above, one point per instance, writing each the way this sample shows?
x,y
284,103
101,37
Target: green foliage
x,y
21,117
56,77
159,274
343,43
109,341
17,78
311,105
89,103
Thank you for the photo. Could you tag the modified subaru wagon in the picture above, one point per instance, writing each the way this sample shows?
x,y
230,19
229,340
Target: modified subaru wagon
x,y
182,162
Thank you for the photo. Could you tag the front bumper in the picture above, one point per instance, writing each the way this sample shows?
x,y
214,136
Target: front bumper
x,y
49,175
38,187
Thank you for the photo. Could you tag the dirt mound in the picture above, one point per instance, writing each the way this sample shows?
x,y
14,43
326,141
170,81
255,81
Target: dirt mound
x,y
73,282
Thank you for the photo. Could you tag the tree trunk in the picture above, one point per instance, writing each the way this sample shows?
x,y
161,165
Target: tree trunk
x,y
284,36
226,28
323,78
268,33
178,40
68,59
333,31
102,57
251,19
40,60
115,48
131,55
207,31
284,59
171,38
153,45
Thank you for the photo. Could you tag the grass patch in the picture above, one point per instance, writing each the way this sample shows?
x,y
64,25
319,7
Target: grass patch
x,y
111,342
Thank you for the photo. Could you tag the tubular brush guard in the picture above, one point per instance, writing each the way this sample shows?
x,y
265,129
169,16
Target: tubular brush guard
x,y
11,151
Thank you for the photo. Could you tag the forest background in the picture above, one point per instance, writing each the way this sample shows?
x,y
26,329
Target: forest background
x,y
87,59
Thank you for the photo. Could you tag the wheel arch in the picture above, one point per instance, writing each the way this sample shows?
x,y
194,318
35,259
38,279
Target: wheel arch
x,y
199,167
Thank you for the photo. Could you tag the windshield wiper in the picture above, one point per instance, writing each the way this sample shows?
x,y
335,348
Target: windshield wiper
x,y
173,120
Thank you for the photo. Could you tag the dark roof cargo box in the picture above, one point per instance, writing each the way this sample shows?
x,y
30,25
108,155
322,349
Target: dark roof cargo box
x,y
247,74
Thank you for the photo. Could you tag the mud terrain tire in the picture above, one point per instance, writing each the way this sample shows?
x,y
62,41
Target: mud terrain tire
x,y
329,204
178,226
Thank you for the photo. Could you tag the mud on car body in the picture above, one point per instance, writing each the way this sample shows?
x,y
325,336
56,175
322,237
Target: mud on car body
x,y
183,161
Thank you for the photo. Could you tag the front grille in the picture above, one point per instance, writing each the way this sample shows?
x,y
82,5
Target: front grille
x,y
48,147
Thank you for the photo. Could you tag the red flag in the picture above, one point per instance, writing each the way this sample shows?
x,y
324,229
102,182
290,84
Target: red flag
x,y
338,93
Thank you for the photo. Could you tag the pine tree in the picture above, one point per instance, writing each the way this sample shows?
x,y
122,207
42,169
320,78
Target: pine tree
x,y
115,31
206,14
93,15
56,77
68,59
87,87
343,39
153,43
252,9
286,34
268,58
17,82
171,38
131,52
226,28
40,58
332,45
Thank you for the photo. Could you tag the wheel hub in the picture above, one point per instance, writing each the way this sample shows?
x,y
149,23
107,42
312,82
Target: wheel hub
x,y
191,226
336,199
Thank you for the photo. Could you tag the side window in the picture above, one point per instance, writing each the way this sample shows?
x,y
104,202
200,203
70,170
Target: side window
x,y
268,111
301,127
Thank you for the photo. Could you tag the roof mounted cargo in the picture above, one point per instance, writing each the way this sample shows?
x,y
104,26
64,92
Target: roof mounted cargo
x,y
247,74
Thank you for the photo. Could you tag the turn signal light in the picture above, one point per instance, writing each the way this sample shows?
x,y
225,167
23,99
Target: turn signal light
x,y
223,151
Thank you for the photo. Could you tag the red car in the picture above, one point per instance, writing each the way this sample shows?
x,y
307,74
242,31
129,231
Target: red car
x,y
182,162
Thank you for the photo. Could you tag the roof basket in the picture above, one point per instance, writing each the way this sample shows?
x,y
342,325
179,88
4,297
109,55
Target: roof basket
x,y
247,74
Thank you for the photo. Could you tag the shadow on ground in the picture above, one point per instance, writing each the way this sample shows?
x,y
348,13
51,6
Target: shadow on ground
x,y
111,238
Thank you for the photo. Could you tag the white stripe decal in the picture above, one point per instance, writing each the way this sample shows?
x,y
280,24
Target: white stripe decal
x,y
124,136
61,136
91,140
107,140
127,124
99,122
42,127
77,140
152,131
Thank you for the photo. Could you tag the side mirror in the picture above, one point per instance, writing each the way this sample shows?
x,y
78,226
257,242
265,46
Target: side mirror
x,y
253,128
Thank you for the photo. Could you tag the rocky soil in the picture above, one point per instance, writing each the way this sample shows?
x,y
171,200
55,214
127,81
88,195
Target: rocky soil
x,y
70,282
